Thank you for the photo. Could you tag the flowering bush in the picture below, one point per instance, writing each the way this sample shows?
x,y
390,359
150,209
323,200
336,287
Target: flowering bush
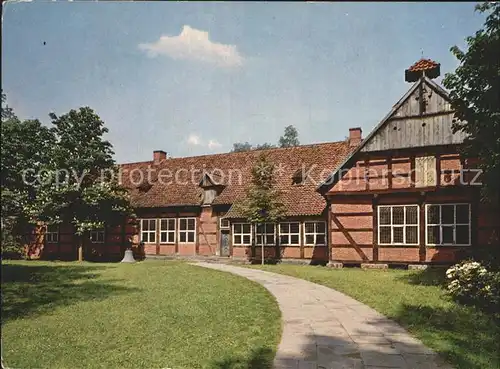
x,y
471,283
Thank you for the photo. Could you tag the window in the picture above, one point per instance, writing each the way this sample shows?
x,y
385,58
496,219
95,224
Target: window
x,y
398,225
97,235
52,233
448,224
289,233
167,230
425,171
265,233
242,234
224,223
187,230
148,230
315,233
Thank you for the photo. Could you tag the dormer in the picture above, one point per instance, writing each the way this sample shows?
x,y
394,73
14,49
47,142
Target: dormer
x,y
211,183
299,177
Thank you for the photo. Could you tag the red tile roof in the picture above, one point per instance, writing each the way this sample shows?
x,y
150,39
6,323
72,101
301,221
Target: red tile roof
x,y
423,64
176,181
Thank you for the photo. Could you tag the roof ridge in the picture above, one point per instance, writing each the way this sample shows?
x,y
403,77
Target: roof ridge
x,y
240,152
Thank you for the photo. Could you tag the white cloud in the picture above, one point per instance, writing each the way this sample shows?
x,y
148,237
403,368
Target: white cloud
x,y
193,44
194,140
213,144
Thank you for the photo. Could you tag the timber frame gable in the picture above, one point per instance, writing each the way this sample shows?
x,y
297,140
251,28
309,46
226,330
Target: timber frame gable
x,y
411,110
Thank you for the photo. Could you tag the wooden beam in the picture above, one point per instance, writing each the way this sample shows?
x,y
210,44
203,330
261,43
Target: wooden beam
x,y
158,221
389,172
422,228
367,171
176,232
328,232
302,240
353,229
354,214
438,170
197,235
375,227
412,171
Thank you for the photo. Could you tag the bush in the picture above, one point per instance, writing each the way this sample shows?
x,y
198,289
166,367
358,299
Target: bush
x,y
11,246
471,283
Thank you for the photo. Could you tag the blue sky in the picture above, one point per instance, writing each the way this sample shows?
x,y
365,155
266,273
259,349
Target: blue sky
x,y
193,78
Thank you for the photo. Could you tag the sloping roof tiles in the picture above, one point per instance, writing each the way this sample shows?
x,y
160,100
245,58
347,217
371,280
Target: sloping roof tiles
x,y
176,181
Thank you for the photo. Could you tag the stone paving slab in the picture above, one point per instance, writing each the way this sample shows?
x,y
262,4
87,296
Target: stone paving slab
x,y
325,329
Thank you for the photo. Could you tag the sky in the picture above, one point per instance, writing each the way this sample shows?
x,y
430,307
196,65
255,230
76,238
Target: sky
x,y
192,78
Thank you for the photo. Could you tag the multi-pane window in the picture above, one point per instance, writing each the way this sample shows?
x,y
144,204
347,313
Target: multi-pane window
x,y
425,171
265,234
398,225
52,233
315,233
97,235
289,233
148,230
167,230
448,224
187,230
224,223
242,234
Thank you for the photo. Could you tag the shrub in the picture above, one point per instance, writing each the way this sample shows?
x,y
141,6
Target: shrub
x,y
470,283
10,245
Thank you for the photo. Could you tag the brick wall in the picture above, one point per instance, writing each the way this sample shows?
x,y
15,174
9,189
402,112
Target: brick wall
x,y
208,232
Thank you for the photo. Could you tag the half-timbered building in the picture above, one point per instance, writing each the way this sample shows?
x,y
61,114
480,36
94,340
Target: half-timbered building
x,y
404,194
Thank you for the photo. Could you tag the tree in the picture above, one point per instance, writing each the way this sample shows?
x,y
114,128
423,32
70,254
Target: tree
x,y
7,112
264,146
83,187
239,147
290,137
262,201
475,97
26,150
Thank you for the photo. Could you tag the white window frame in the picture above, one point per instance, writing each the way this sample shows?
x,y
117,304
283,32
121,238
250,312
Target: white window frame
x,y
187,231
53,236
242,234
265,234
167,231
315,233
404,225
149,232
222,226
94,235
289,234
440,224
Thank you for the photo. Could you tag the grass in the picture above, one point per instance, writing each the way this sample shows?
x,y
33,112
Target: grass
x,y
464,336
153,314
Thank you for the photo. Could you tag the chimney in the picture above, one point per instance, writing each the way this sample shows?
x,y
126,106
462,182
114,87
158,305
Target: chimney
x,y
354,136
159,155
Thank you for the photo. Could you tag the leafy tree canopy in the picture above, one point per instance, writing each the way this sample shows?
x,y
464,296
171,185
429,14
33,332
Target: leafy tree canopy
x,y
262,202
7,112
290,137
84,187
475,94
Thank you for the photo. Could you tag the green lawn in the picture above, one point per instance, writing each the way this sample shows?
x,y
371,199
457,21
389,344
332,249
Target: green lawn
x,y
467,338
153,314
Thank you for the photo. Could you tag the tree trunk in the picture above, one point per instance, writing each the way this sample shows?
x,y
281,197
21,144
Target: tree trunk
x,y
80,249
262,247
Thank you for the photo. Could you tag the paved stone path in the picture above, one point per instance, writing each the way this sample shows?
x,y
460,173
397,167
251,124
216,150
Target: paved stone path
x,y
325,329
